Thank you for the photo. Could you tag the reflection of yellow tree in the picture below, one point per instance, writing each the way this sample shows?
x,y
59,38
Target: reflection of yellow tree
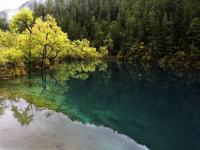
x,y
23,116
2,107
1,110
48,91
55,82
79,70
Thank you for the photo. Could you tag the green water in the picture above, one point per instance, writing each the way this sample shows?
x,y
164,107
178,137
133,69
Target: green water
x,y
158,109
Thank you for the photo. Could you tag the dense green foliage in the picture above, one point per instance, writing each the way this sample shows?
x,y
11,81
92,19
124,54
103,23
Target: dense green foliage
x,y
144,30
3,24
41,43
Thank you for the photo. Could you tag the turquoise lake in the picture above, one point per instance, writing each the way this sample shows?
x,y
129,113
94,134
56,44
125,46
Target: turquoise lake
x,y
101,106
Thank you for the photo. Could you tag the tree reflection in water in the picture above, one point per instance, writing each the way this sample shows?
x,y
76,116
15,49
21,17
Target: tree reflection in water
x,y
24,116
132,100
1,108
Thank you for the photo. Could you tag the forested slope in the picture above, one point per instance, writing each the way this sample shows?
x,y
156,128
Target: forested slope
x,y
161,28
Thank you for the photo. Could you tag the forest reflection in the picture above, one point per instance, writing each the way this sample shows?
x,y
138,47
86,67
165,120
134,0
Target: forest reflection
x,y
135,101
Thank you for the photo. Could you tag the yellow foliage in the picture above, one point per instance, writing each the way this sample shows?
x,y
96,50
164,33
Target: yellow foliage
x,y
7,39
104,51
21,21
10,55
41,42
82,49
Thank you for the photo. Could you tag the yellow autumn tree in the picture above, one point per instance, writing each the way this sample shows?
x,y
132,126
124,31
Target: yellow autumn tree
x,y
50,40
41,42
8,52
46,42
22,21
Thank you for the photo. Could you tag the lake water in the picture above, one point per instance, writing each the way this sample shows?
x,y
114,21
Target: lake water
x,y
101,106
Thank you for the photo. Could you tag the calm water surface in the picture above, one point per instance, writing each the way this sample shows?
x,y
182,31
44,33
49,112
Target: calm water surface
x,y
101,107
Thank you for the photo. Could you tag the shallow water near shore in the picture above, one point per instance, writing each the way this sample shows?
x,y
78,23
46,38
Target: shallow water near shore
x,y
101,106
